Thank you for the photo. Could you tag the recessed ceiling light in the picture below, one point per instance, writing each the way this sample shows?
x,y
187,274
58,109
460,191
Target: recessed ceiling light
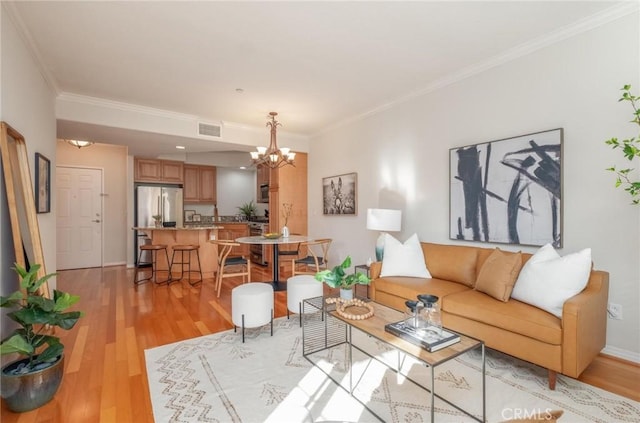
x,y
180,147
243,167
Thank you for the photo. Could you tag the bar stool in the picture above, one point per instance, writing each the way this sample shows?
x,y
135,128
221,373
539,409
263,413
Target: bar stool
x,y
188,249
154,249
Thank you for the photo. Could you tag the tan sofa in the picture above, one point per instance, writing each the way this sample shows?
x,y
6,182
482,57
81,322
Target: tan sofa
x,y
566,345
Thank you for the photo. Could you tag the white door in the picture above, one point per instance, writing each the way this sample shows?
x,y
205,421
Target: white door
x,y
79,217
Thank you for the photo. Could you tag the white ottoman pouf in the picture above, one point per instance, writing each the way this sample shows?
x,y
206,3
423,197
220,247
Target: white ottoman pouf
x,y
252,306
299,288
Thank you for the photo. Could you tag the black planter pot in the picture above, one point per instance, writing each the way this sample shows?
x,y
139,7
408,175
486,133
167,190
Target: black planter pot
x,y
32,390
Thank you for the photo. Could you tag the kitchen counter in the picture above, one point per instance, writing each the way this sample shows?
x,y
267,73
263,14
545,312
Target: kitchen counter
x,y
184,228
198,235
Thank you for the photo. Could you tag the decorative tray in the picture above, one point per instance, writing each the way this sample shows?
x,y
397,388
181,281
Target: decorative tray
x,y
272,235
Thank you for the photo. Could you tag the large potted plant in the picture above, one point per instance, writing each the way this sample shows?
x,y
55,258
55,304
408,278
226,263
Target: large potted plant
x,y
338,278
33,380
630,149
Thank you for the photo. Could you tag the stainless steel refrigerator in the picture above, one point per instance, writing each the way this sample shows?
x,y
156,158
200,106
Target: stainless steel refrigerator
x,y
151,200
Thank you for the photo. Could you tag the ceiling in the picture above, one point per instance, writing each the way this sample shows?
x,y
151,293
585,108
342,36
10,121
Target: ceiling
x,y
318,64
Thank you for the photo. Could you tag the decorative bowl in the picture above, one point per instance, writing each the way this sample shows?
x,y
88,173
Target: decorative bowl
x,y
272,235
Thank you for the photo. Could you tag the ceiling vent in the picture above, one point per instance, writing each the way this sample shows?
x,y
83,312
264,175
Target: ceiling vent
x,y
209,130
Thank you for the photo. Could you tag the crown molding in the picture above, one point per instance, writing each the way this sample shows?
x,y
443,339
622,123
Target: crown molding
x,y
12,11
161,113
125,107
586,24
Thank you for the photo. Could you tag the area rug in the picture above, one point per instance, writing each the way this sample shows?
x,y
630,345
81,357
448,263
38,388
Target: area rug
x,y
217,378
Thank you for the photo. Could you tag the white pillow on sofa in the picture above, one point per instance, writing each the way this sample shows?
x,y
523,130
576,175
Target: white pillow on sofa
x,y
403,259
548,280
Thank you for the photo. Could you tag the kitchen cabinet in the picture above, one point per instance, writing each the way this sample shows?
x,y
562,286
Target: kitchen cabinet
x,y
231,231
288,184
262,178
154,170
199,184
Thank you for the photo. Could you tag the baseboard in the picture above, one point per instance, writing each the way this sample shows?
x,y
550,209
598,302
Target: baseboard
x,y
118,263
623,354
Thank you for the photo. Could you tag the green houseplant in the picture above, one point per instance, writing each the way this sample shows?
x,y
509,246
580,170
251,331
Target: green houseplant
x,y
630,149
33,380
338,278
248,210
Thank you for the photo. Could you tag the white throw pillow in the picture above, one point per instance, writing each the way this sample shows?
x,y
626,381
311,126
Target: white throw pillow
x,y
403,259
548,280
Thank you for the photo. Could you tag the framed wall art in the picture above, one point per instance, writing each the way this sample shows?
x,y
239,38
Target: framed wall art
x,y
508,191
339,194
43,184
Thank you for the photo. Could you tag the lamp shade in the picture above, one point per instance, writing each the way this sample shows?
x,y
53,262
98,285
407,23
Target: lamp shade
x,y
384,220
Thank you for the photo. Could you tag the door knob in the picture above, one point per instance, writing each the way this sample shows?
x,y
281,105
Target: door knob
x,y
97,220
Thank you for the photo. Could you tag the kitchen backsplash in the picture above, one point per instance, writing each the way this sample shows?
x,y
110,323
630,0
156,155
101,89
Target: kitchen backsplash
x,y
208,220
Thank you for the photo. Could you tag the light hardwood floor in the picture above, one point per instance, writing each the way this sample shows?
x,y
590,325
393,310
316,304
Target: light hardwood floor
x,y
105,377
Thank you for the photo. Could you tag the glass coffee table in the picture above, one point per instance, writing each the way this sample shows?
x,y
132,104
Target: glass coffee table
x,y
323,328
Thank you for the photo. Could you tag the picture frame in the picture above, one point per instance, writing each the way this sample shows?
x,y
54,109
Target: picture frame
x,y
508,191
43,184
340,194
188,215
196,217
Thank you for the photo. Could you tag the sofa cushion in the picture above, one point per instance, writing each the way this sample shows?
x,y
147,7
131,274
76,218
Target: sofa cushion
x,y
451,262
548,280
403,259
499,273
514,316
409,288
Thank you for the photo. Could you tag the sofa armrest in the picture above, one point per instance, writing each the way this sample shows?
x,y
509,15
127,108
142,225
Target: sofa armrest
x,y
375,269
584,324
374,273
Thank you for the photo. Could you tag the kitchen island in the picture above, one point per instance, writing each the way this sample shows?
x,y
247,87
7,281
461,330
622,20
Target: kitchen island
x,y
196,235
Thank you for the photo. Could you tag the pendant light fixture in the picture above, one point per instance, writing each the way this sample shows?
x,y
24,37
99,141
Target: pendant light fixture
x,y
273,156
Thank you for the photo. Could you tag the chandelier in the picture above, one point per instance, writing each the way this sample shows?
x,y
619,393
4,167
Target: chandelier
x,y
79,143
273,156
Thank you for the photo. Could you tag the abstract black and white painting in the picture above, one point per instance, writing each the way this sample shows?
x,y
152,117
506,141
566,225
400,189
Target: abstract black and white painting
x,y
508,191
339,194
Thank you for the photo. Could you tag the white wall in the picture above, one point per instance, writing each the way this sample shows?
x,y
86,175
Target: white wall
x,y
401,155
28,106
235,188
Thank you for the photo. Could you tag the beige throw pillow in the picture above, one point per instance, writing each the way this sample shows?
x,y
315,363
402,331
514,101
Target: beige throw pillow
x,y
498,274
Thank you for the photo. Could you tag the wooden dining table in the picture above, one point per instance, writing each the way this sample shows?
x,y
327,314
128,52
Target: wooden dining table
x,y
275,242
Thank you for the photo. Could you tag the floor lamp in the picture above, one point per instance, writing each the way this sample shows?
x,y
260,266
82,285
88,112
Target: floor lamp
x,y
383,220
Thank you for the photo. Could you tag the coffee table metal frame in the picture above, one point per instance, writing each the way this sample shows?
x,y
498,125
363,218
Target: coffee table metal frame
x,y
323,328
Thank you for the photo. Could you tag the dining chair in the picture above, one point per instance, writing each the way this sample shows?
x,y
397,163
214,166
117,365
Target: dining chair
x,y
225,248
288,252
316,259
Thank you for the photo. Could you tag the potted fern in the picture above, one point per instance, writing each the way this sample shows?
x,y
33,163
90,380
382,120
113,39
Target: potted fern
x,y
338,278
33,380
248,210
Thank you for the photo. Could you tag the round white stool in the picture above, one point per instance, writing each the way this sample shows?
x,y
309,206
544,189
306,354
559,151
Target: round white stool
x,y
252,306
299,288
